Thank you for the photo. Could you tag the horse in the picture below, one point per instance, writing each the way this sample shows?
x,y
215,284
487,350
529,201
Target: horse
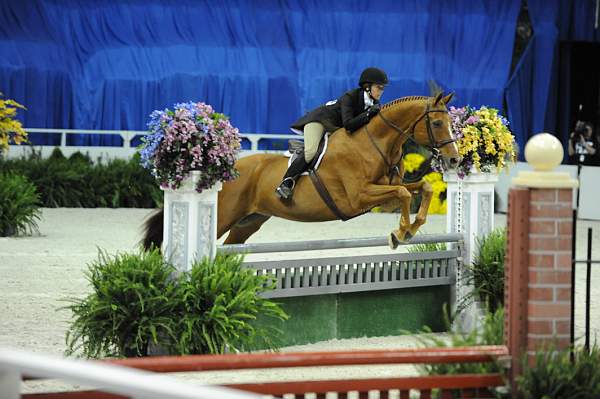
x,y
361,170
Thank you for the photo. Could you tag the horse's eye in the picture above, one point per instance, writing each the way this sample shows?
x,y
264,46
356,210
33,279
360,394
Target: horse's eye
x,y
437,123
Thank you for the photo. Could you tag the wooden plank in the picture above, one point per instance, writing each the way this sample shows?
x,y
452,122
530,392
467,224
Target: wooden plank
x,y
344,274
358,287
349,259
403,268
333,273
306,277
287,280
278,279
377,268
316,280
296,277
387,271
468,354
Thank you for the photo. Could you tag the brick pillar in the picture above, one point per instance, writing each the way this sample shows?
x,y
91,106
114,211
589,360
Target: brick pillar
x,y
538,271
549,294
538,261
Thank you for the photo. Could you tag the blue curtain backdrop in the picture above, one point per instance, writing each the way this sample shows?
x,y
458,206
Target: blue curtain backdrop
x,y
532,91
108,64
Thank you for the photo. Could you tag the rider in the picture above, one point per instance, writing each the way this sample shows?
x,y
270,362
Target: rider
x,y
352,110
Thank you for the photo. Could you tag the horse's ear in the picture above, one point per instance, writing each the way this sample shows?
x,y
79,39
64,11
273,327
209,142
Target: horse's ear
x,y
446,100
437,99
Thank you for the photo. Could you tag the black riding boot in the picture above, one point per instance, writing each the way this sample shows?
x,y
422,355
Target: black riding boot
x,y
286,187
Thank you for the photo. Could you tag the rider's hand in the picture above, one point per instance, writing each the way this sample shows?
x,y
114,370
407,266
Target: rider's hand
x,y
373,110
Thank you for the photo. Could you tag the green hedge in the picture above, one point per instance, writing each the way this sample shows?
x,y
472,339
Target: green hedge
x,y
78,182
561,374
19,205
138,302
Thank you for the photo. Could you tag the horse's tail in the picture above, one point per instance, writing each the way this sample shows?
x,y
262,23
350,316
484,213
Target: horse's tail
x,y
153,230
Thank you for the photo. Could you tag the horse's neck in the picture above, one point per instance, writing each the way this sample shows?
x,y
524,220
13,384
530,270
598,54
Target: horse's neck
x,y
382,136
403,116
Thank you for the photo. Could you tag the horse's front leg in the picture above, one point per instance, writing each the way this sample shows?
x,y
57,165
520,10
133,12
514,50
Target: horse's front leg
x,y
426,194
375,194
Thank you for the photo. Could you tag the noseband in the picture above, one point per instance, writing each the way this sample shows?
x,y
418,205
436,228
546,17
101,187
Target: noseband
x,y
434,145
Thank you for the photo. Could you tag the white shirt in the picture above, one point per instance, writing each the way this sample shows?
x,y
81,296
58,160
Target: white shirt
x,y
368,100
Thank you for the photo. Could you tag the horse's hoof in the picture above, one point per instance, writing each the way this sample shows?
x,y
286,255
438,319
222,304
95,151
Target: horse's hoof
x,y
393,241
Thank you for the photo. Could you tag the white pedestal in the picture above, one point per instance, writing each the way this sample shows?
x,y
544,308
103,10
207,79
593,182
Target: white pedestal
x,y
190,223
477,220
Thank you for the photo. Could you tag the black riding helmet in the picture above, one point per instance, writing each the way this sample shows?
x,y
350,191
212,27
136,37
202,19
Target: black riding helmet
x,y
374,76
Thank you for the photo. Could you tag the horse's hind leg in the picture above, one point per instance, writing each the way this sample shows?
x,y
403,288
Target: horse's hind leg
x,y
243,229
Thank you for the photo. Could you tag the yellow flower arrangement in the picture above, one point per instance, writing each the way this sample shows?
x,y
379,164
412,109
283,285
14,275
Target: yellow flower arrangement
x,y
11,130
439,186
484,139
412,161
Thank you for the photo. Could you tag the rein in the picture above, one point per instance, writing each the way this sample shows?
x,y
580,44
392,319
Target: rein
x,y
434,147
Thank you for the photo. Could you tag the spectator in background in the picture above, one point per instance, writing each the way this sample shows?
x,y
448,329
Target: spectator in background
x,y
583,145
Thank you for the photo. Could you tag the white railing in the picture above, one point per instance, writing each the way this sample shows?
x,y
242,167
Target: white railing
x,y
110,378
126,149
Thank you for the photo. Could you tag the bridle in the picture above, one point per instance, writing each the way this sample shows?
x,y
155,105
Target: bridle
x,y
434,145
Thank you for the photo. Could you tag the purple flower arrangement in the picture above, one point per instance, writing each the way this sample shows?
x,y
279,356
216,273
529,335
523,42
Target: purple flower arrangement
x,y
191,137
484,140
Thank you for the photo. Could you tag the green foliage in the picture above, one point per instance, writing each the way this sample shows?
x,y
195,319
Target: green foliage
x,y
491,332
427,247
19,205
221,300
132,302
137,302
554,375
78,182
487,271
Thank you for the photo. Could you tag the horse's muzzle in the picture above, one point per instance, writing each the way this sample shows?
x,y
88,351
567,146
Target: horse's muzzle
x,y
452,162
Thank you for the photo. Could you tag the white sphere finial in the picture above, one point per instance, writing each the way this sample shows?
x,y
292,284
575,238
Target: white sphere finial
x,y
544,152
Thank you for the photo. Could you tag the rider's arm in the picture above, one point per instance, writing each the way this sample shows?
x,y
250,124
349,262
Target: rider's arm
x,y
571,149
351,122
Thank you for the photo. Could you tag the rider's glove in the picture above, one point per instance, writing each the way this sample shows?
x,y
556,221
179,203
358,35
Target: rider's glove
x,y
373,110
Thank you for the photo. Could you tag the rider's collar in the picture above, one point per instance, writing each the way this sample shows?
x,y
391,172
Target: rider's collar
x,y
368,99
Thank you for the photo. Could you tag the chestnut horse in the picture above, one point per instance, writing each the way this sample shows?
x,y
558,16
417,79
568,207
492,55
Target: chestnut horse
x,y
356,170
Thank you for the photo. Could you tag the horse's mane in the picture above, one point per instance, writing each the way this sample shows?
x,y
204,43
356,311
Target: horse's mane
x,y
404,99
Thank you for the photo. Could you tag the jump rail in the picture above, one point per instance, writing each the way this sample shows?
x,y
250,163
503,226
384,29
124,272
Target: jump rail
x,y
126,149
113,378
466,383
334,244
354,273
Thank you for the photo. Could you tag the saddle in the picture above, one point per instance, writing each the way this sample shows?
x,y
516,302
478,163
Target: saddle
x,y
296,149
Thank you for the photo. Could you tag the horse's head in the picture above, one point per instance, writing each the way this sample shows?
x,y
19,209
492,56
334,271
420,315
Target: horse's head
x,y
432,129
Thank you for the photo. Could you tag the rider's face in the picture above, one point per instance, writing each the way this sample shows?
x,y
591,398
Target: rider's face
x,y
377,91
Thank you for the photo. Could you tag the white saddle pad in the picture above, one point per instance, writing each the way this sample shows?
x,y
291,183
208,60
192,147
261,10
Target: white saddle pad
x,y
320,156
